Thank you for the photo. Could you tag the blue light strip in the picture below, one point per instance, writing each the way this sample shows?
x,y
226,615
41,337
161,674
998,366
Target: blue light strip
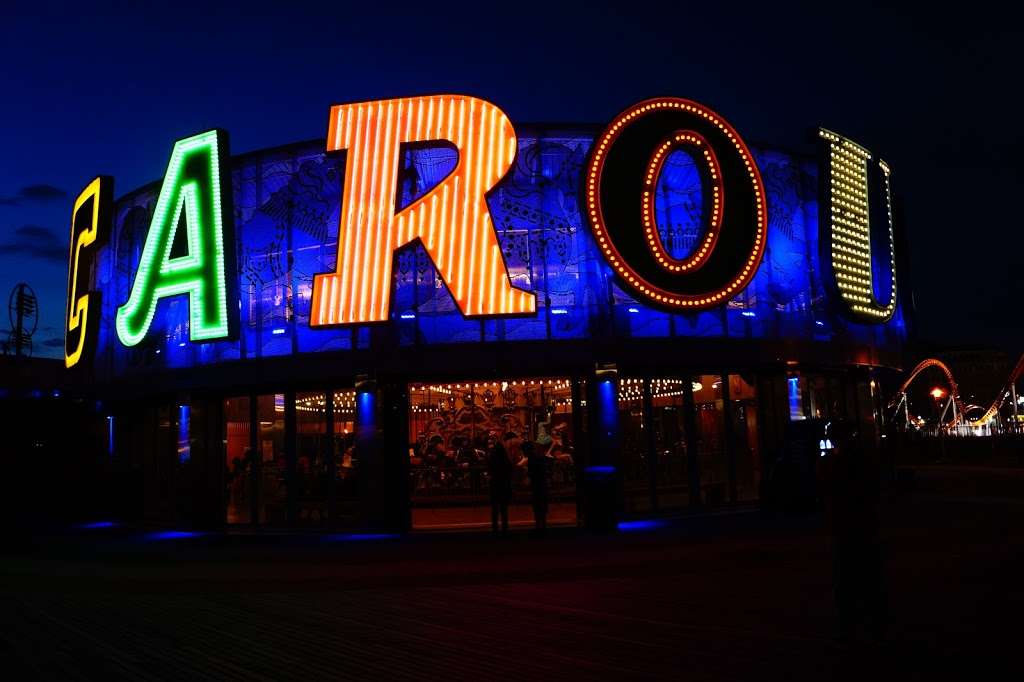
x,y
184,446
110,435
644,524
173,535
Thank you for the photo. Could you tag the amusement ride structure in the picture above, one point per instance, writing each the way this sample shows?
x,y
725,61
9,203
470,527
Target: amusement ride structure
x,y
956,416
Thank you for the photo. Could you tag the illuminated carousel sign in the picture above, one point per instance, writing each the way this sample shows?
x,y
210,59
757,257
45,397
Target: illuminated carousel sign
x,y
189,246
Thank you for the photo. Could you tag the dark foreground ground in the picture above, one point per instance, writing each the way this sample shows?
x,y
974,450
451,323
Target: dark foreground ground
x,y
718,597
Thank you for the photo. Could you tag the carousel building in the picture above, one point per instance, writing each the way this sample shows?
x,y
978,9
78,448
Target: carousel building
x,y
325,334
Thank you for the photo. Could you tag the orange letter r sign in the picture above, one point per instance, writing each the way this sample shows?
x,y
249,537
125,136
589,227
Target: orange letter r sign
x,y
451,220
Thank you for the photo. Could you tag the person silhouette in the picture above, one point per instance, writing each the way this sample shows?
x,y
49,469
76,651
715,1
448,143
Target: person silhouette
x,y
537,468
499,468
850,481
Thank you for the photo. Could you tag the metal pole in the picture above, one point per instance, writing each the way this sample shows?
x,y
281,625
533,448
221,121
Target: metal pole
x,y
1013,398
19,305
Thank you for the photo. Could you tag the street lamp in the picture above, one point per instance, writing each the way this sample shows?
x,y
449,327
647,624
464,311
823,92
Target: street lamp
x,y
938,393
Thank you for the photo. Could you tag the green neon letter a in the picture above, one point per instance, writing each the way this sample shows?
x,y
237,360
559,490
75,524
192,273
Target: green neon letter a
x,y
194,184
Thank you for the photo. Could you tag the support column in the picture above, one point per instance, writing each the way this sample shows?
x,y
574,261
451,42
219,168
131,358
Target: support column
x,y
208,460
396,515
366,448
602,478
382,451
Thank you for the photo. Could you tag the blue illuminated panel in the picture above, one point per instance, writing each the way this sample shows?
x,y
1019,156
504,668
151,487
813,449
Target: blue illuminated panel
x,y
796,401
287,204
184,444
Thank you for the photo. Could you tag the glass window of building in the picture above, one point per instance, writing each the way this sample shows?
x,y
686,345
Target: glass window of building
x,y
668,421
345,510
449,425
272,458
164,472
712,459
825,396
185,480
238,465
746,435
796,388
312,463
636,472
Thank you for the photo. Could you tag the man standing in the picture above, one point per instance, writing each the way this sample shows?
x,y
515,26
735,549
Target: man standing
x,y
499,468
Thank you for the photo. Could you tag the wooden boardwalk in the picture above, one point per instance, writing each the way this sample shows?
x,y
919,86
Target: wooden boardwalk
x,y
720,599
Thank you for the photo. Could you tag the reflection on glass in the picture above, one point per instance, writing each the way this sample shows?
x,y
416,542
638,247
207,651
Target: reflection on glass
x,y
667,423
448,429
239,461
826,396
795,385
166,474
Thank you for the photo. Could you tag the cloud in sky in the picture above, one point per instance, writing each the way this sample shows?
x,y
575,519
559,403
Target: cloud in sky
x,y
35,241
42,194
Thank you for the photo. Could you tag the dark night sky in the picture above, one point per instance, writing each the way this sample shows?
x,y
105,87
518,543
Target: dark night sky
x,y
91,89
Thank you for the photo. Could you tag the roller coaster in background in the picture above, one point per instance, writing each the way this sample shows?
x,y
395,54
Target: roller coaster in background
x,y
956,417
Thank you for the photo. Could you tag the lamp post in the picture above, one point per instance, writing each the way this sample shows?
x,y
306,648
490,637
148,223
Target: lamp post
x,y
938,394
